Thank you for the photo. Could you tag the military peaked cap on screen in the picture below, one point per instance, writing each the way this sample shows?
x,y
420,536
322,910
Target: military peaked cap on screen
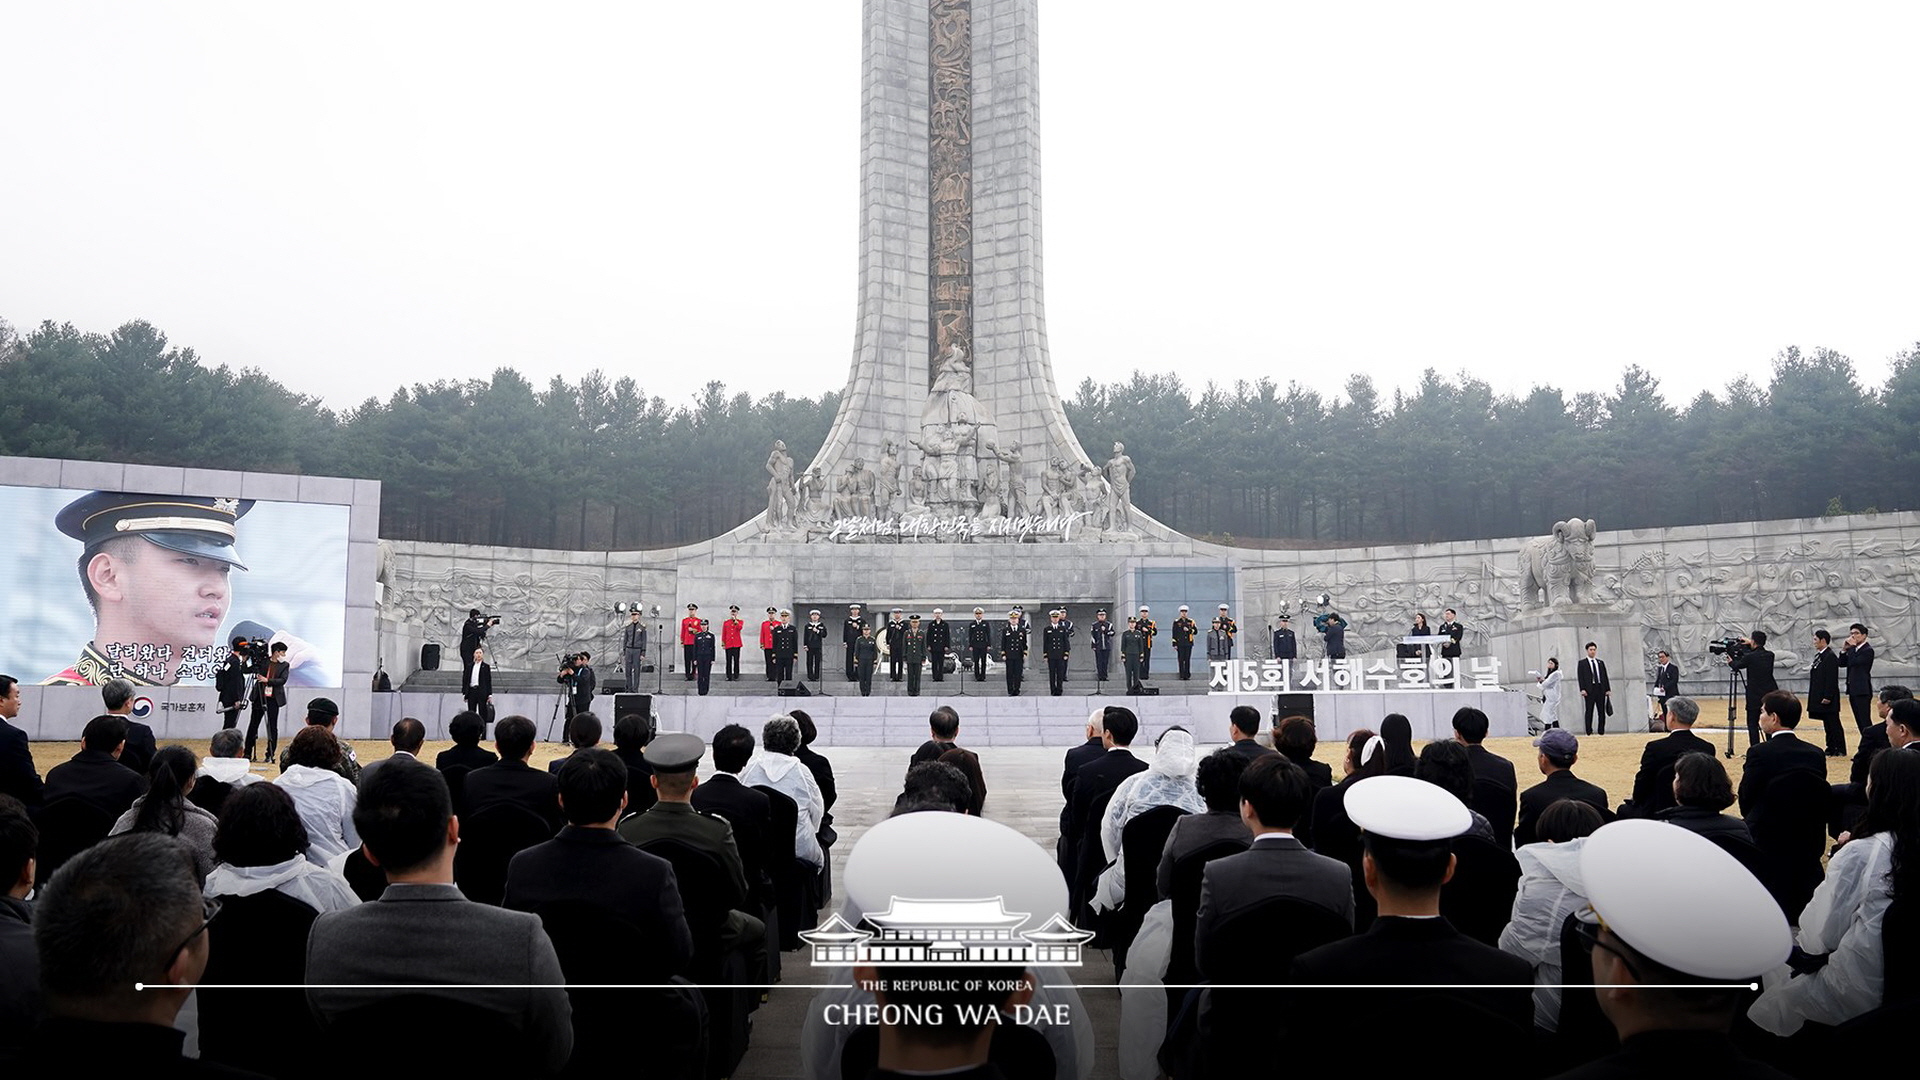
x,y
675,753
189,524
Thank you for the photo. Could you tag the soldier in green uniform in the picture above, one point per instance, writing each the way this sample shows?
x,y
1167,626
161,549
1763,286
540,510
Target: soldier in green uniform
x,y
1229,628
674,759
1147,628
1184,629
914,646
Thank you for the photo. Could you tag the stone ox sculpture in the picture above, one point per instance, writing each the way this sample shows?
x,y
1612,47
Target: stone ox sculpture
x,y
1560,565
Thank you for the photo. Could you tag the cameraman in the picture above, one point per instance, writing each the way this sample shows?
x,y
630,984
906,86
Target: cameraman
x,y
1757,662
230,682
576,674
471,634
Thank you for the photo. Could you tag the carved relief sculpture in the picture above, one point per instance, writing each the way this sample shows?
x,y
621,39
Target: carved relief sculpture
x,y
1560,565
886,491
780,508
1119,473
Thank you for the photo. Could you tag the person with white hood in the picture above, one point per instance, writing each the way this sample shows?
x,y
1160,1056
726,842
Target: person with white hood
x,y
324,798
1167,781
226,761
1551,888
262,845
778,768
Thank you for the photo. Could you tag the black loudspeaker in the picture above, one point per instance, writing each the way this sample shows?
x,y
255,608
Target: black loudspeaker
x,y
794,688
430,656
1285,705
1147,689
632,703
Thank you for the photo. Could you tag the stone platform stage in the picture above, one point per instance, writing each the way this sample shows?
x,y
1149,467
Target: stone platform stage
x,y
986,720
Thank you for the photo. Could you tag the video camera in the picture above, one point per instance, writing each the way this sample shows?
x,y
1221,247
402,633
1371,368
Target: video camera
x,y
1733,648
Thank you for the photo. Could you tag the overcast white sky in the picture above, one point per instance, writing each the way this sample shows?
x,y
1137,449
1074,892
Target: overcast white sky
x,y
353,196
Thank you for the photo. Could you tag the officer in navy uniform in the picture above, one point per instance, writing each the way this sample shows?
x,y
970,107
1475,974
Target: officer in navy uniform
x,y
1013,651
1451,627
939,643
1066,620
1184,629
979,643
1100,636
1055,641
1285,646
786,642
850,632
106,523
814,637
896,646
703,657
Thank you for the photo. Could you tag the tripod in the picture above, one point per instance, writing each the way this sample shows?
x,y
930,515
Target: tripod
x,y
1735,694
566,698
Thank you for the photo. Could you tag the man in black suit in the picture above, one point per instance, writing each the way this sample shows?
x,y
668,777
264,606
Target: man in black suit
x,y
513,780
478,689
588,861
1857,658
1086,753
1092,784
1273,794
1407,828
268,694
1596,692
1782,753
1757,662
18,776
230,683
583,734
1558,751
466,730
117,695
1823,693
1850,798
749,811
1666,680
1242,723
1653,784
1496,790
95,774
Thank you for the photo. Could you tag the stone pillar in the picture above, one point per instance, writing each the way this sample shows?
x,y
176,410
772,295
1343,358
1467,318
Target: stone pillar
x,y
1529,639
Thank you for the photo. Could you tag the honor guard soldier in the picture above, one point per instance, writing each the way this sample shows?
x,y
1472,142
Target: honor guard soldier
x,y
1013,651
896,646
1285,645
1131,650
866,653
1452,628
1184,629
766,642
1100,637
1229,628
939,644
690,629
814,637
731,632
786,642
979,643
913,652
703,656
1055,641
1066,620
1148,628
850,632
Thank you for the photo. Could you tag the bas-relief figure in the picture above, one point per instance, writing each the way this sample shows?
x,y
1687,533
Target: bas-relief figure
x,y
780,493
1119,474
554,608
853,495
886,490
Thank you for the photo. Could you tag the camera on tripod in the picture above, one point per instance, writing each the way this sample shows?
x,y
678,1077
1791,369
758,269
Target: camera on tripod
x,y
1733,648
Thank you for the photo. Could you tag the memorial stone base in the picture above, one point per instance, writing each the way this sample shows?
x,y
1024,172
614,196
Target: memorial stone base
x,y
1563,631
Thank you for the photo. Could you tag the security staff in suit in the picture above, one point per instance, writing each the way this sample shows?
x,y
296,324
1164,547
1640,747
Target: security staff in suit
x,y
1055,642
269,693
786,644
1132,649
1823,693
1100,639
813,637
1666,680
1184,629
1653,784
1595,688
230,683
1781,753
1757,662
1148,628
866,653
703,650
689,629
1285,645
731,629
1792,832
674,758
1013,652
979,643
1857,658
1450,626
896,635
939,644
913,649
478,690
851,631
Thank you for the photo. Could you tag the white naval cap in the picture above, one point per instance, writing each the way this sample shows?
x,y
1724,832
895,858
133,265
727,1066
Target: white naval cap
x,y
1223,607
1681,901
937,611
1143,607
933,855
1183,607
1402,808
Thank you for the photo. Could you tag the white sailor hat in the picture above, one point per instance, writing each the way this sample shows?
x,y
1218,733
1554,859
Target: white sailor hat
x,y
813,612
979,611
1402,808
1681,901
929,859
784,611
1223,607
1143,607
937,611
1183,607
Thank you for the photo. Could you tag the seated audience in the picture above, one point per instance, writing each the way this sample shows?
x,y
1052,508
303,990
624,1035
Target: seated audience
x,y
1446,765
968,763
1668,910
20,1005
1396,738
777,767
1653,783
224,770
323,713
821,768
934,785
323,796
1496,790
1334,833
117,695
589,862
726,796
1167,781
1701,790
164,809
95,774
584,733
512,780
125,913
1242,724
1559,749
1218,781
1879,865
262,845
943,733
466,729
630,735
408,736
422,930
1550,889
1294,738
